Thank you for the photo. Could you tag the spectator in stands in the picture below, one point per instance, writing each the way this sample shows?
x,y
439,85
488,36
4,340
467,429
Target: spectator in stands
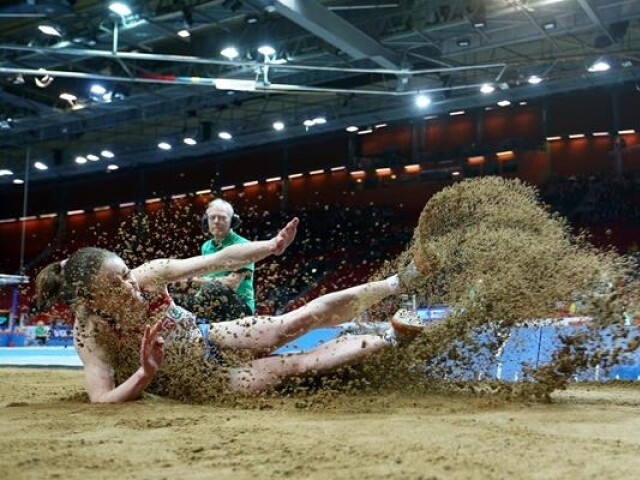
x,y
41,333
105,293
223,295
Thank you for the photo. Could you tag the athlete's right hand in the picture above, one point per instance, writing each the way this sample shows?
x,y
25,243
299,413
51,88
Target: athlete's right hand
x,y
152,349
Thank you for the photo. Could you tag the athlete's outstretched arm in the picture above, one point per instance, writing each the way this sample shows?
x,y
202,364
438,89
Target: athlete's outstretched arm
x,y
158,273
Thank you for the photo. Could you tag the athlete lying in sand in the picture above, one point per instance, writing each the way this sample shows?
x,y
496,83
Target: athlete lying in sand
x,y
104,292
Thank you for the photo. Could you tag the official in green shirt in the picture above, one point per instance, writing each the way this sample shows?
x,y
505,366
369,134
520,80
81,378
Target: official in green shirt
x,y
224,295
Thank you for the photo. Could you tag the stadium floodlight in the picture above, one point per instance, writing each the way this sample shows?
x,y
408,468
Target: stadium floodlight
x,y
422,101
230,53
120,8
599,66
487,88
49,30
267,50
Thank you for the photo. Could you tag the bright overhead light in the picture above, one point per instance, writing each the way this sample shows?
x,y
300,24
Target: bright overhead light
x,y
487,88
549,25
184,33
316,121
456,112
40,166
599,66
5,172
69,97
189,141
352,129
534,79
464,42
505,153
97,89
92,157
230,53
267,50
251,18
107,154
80,160
120,8
225,135
422,101
113,167
49,30
238,85
18,181
278,126
504,103
164,146
44,81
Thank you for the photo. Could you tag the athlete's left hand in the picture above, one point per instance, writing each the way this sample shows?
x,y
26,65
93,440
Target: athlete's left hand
x,y
285,237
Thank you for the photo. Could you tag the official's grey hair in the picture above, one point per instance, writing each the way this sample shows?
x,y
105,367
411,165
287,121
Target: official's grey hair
x,y
221,203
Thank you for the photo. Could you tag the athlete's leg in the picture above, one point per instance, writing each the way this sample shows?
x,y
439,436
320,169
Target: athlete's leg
x,y
265,334
265,373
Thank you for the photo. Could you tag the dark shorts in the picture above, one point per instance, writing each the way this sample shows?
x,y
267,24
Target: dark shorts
x,y
214,302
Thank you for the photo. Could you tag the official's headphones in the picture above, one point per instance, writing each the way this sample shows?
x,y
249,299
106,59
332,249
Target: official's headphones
x,y
204,222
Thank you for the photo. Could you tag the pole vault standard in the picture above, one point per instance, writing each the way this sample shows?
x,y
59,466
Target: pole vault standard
x,y
15,281
21,278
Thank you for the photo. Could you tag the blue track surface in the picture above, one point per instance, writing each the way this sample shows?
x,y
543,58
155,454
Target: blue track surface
x,y
525,347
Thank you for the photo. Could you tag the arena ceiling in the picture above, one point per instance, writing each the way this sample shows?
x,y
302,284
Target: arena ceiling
x,y
351,63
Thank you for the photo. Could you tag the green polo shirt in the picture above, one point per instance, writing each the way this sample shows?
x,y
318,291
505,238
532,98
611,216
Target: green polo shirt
x,y
245,288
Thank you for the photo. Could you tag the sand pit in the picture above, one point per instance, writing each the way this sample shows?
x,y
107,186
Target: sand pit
x,y
48,430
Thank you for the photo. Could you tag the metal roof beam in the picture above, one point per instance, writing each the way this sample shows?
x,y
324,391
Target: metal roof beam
x,y
333,29
593,16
